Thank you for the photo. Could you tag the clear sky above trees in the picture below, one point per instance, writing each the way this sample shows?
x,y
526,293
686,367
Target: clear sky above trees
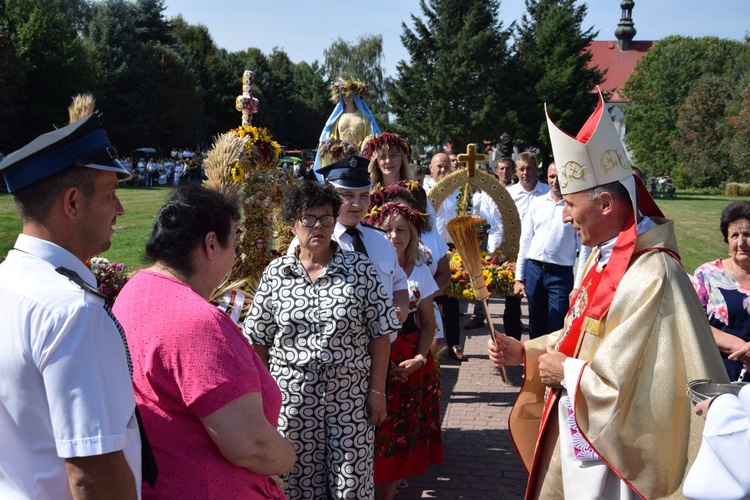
x,y
466,76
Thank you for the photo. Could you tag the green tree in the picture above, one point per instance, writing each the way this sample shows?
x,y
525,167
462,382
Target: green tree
x,y
551,66
362,60
44,34
311,104
12,95
151,25
701,145
170,100
218,73
146,89
660,83
119,61
739,125
453,88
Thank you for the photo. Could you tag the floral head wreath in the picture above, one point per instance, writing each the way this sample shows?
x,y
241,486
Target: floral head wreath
x,y
382,195
346,86
409,191
386,139
379,215
409,185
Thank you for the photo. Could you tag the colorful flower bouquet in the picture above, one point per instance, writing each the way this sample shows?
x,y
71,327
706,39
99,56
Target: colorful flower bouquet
x,y
263,151
498,276
332,150
110,276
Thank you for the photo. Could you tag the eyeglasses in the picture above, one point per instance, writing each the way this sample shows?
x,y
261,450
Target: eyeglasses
x,y
311,220
390,156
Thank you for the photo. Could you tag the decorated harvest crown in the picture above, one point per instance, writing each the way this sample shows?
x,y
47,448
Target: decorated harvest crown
x,y
347,86
379,215
386,139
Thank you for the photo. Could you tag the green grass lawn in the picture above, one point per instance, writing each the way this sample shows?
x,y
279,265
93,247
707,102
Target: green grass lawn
x,y
131,232
696,219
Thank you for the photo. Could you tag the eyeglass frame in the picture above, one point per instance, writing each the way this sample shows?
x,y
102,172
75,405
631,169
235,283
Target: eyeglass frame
x,y
317,219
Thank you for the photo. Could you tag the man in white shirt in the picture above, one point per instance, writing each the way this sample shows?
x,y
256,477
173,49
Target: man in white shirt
x,y
67,412
440,166
526,189
547,253
484,205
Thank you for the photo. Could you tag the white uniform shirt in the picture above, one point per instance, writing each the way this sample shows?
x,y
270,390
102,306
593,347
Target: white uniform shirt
x,y
545,237
522,198
381,253
483,204
446,212
66,390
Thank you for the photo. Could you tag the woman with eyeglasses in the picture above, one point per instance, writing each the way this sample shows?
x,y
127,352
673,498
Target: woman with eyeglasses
x,y
321,321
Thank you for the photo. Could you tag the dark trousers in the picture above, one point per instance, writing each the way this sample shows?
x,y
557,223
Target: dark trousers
x,y
479,310
547,289
512,317
451,328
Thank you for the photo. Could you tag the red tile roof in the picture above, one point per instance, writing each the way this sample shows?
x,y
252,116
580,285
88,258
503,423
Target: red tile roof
x,y
607,54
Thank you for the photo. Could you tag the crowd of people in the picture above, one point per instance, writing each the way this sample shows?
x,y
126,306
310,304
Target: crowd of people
x,y
179,167
328,387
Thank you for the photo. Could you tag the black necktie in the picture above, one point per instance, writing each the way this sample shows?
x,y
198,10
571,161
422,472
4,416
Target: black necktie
x,y
356,240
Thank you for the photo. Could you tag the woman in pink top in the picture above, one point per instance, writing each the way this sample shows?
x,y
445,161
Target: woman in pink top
x,y
209,404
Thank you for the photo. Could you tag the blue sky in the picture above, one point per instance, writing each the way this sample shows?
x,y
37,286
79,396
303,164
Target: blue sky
x,y
304,28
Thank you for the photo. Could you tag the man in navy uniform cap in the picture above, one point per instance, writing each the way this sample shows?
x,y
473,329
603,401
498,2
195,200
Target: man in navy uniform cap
x,y
67,411
351,179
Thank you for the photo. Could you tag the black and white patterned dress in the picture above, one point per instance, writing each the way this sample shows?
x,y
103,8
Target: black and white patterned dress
x,y
318,334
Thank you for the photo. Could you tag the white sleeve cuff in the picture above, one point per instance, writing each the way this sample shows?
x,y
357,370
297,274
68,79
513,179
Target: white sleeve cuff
x,y
572,369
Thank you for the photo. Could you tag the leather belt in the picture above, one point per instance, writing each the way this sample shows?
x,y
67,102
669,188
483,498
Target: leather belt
x,y
547,265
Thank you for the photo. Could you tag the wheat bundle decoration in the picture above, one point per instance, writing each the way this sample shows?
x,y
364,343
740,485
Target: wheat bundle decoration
x,y
463,232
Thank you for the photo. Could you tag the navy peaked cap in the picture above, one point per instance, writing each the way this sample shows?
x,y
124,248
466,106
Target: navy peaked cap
x,y
348,173
83,143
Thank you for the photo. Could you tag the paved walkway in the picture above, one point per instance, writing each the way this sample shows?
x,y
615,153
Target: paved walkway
x,y
480,460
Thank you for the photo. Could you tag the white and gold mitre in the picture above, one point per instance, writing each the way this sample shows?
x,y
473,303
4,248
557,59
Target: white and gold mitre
x,y
594,157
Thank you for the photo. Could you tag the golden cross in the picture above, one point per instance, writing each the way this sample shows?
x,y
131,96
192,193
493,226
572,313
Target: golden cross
x,y
471,158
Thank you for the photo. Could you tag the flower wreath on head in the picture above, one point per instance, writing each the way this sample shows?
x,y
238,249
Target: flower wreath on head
x,y
345,86
378,215
386,139
382,195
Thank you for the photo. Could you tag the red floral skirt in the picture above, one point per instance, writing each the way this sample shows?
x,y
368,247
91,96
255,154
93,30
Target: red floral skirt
x,y
410,436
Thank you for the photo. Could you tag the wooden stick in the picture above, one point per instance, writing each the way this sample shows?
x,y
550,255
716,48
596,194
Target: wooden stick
x,y
494,337
463,232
